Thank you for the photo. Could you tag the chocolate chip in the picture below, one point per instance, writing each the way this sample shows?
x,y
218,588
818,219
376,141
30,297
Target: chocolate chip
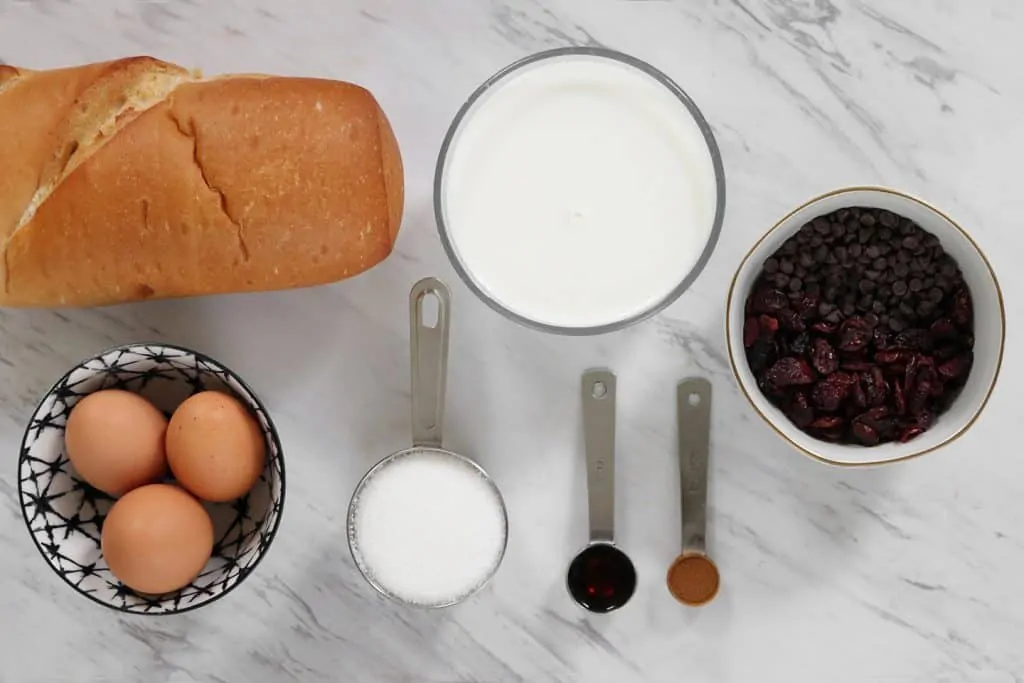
x,y
916,285
899,288
771,265
786,266
935,295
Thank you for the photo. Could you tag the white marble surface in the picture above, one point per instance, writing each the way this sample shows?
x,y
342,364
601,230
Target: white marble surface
x,y
909,573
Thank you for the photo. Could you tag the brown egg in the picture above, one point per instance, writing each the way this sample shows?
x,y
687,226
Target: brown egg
x,y
157,538
115,440
215,447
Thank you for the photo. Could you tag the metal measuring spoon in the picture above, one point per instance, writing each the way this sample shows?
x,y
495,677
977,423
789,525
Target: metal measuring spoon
x,y
601,578
693,578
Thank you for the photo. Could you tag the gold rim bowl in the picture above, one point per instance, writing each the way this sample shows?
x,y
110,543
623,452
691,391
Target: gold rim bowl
x,y
989,326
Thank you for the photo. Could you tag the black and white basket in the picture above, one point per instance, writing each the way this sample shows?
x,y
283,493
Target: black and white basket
x,y
65,515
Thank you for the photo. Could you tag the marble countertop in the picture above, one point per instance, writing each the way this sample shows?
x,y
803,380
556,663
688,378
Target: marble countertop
x,y
908,573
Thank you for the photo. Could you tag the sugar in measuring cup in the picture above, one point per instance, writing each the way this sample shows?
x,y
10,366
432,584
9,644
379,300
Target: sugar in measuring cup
x,y
427,527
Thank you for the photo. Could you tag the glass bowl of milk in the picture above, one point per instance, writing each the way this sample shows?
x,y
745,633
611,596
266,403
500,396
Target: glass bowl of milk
x,y
579,191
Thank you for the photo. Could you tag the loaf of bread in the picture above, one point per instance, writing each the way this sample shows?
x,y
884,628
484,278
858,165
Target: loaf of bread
x,y
138,179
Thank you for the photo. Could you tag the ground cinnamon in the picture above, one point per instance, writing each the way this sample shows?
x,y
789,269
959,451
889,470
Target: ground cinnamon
x,y
693,579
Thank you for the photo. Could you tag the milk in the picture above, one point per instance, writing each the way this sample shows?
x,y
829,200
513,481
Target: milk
x,y
578,191
429,528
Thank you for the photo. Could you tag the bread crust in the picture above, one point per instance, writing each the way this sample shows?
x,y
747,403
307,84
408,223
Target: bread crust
x,y
146,182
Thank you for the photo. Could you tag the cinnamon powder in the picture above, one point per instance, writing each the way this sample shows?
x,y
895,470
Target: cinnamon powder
x,y
693,579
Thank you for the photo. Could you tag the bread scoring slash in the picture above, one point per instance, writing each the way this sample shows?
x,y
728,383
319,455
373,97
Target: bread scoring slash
x,y
138,179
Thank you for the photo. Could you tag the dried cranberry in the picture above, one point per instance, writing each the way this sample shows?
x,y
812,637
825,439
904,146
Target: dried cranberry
x,y
882,338
823,357
915,338
827,423
807,307
824,327
888,428
854,334
827,396
856,365
751,330
918,395
944,353
762,354
791,320
963,309
867,434
773,393
767,326
768,301
799,410
790,372
899,399
857,395
891,356
875,388
910,432
943,328
829,393
958,367
800,344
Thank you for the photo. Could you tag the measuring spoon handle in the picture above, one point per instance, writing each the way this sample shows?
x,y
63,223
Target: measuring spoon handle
x,y
693,401
598,393
429,346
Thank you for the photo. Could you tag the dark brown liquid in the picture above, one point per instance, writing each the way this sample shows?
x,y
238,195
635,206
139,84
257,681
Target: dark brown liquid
x,y
601,578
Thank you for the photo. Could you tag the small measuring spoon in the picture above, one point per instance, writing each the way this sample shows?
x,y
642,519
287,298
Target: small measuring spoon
x,y
601,578
693,578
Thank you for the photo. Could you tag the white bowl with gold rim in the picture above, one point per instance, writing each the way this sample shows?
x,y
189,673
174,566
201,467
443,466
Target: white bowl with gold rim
x,y
989,326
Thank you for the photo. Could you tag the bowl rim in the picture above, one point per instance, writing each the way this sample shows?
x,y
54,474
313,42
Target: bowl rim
x,y
717,164
778,224
271,431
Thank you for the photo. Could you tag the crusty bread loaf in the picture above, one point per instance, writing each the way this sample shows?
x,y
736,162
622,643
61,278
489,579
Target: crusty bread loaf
x,y
137,179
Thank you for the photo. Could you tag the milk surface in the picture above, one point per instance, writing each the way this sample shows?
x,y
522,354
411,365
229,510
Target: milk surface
x,y
429,527
579,191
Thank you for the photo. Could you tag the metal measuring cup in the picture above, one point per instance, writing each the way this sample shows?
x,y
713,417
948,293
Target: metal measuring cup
x,y
429,361
601,578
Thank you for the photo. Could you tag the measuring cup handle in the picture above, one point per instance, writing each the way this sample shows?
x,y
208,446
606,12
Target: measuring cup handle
x,y
429,346
598,393
693,402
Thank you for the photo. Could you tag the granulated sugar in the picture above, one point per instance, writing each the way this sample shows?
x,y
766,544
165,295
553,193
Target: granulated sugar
x,y
428,527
